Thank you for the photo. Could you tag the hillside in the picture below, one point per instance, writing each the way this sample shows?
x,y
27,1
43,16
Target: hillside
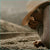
x,y
10,27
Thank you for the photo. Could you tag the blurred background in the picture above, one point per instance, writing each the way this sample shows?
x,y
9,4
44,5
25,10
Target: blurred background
x,y
13,11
